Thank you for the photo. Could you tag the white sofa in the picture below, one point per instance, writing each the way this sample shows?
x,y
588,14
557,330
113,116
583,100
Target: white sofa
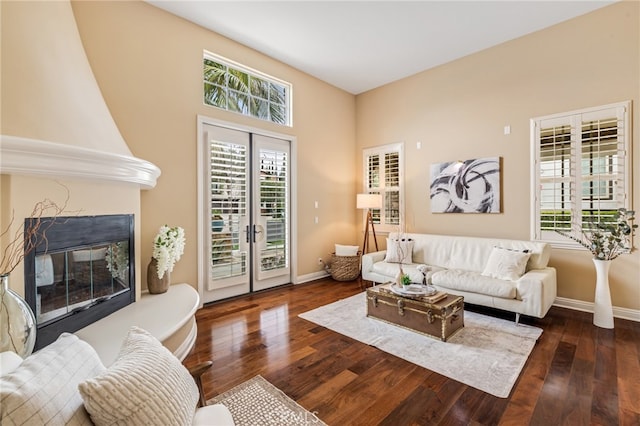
x,y
456,265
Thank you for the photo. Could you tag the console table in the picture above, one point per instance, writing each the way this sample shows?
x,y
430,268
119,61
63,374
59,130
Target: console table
x,y
169,317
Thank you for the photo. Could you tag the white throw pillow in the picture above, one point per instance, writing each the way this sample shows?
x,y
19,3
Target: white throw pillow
x,y
506,264
342,250
43,389
399,251
146,384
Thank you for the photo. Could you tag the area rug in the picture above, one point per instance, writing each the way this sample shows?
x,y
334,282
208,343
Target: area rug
x,y
257,402
487,354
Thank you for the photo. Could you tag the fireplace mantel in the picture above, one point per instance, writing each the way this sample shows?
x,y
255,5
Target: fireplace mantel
x,y
170,317
47,159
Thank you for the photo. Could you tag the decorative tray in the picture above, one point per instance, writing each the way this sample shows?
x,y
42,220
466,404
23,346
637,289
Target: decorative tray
x,y
413,290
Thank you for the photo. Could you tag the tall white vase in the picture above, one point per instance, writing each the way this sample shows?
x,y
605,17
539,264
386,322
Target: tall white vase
x,y
603,310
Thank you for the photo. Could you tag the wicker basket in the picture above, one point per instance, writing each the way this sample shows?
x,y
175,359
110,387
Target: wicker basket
x,y
344,268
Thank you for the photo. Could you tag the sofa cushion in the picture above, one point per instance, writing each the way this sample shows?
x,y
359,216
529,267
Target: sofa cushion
x,y
146,384
506,264
399,251
473,282
44,388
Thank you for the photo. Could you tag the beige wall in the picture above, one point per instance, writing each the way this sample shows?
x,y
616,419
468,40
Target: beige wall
x,y
458,111
148,64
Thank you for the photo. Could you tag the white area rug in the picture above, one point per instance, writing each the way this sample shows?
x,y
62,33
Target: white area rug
x,y
488,354
257,402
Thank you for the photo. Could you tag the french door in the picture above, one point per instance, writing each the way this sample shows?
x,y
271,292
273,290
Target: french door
x,y
245,226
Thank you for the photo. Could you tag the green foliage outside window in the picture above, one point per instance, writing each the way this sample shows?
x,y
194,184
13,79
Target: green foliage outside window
x,y
552,220
240,91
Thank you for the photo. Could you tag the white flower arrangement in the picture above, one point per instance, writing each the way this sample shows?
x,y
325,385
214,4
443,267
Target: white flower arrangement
x,y
168,247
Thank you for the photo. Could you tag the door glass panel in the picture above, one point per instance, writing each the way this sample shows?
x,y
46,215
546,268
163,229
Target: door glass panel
x,y
228,209
273,181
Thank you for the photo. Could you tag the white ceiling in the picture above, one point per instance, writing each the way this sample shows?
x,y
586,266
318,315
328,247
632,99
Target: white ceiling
x,y
361,45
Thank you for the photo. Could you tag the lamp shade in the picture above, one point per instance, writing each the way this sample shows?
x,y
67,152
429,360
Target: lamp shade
x,y
369,201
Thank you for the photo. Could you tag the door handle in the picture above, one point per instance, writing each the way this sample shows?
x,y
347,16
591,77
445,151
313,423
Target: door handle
x,y
256,231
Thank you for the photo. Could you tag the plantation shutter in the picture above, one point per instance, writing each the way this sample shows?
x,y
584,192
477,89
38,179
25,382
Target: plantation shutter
x,y
274,171
582,169
383,175
392,188
557,174
602,164
374,180
228,180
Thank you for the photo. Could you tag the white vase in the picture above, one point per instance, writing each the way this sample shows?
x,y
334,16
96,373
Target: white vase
x,y
602,310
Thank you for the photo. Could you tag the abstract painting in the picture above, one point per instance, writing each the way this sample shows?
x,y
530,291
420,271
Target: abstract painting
x,y
471,186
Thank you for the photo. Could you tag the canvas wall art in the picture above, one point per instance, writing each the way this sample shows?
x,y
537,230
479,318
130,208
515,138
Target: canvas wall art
x,y
471,186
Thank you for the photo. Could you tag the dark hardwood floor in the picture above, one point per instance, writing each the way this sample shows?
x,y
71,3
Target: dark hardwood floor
x,y
577,374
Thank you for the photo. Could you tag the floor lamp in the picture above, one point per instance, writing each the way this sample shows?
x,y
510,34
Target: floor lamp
x,y
369,201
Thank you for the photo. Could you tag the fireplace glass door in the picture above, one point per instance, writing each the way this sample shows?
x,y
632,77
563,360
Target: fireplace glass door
x,y
82,269
72,280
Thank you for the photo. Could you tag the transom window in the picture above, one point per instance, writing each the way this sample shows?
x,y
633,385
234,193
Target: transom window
x,y
581,170
383,168
237,88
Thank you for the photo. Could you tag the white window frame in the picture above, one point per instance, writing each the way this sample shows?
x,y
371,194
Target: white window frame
x,y
258,74
575,119
384,188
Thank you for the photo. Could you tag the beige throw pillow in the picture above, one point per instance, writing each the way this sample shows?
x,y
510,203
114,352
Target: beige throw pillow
x,y
506,264
146,384
399,251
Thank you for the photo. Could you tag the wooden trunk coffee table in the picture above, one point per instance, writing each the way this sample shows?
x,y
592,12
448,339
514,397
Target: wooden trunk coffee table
x,y
440,319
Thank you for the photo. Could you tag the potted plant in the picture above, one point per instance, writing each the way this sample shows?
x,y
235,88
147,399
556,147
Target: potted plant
x,y
406,281
606,240
168,247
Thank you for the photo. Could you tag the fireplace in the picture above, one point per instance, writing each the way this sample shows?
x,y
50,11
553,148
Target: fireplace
x,y
82,271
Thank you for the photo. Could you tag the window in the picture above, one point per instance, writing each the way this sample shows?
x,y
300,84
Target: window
x,y
581,169
383,168
233,87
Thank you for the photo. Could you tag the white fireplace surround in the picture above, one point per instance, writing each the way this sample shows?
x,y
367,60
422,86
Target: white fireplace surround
x,y
47,159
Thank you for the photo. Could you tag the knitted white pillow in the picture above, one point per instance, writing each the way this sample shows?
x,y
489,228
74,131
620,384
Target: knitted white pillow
x,y
43,389
146,384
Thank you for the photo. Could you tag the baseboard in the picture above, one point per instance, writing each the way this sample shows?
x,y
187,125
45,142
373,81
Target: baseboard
x,y
579,305
311,277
